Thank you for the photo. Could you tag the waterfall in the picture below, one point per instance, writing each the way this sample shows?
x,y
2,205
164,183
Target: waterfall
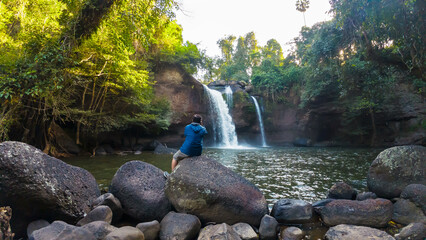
x,y
259,117
223,126
229,97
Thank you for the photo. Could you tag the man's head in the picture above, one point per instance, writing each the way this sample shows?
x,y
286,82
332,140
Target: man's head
x,y
197,118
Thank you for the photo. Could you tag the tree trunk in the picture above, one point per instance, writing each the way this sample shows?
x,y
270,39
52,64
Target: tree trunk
x,y
373,125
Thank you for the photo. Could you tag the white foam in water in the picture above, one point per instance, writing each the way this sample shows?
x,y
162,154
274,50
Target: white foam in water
x,y
224,127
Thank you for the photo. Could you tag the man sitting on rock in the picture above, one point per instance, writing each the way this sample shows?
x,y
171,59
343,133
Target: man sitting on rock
x,y
193,145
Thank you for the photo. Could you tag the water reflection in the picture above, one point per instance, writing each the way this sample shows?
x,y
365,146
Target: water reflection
x,y
298,173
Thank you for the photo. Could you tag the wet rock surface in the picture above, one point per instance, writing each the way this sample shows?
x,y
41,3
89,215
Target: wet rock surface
x,y
38,186
370,212
351,232
150,230
179,226
342,190
291,210
218,231
203,187
395,168
140,188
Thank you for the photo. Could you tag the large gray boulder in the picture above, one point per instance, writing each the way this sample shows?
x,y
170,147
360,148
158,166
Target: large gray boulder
x,y
370,212
351,232
140,188
395,168
203,187
38,186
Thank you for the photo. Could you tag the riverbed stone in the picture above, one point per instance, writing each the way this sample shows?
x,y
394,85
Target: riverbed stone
x,y
150,230
36,225
342,190
292,233
108,199
319,205
140,188
60,230
292,211
245,231
218,231
370,212
99,229
268,228
416,193
101,213
161,149
125,233
179,226
395,168
38,186
365,195
406,212
203,187
413,231
352,232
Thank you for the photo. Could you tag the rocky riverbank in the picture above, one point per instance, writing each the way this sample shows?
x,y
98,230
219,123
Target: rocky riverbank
x,y
202,199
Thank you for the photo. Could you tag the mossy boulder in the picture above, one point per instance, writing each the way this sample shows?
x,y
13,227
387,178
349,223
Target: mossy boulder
x,y
395,168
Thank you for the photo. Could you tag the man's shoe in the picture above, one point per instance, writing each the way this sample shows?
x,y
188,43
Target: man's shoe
x,y
166,174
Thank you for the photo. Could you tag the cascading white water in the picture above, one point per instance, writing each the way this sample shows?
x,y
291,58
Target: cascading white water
x,y
259,117
229,97
223,127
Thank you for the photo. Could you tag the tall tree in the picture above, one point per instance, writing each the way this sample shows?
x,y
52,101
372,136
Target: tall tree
x,y
302,6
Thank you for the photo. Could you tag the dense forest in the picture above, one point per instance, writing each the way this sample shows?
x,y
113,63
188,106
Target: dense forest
x,y
86,63
90,64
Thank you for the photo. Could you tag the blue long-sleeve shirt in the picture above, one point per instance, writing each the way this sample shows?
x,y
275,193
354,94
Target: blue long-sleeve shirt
x,y
193,144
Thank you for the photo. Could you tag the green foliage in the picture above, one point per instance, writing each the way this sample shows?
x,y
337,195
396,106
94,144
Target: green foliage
x,y
85,63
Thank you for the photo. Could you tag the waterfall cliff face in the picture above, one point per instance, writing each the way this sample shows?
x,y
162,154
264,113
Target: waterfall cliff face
x,y
259,117
223,126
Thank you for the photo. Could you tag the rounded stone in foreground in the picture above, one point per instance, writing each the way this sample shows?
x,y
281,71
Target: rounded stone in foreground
x,y
219,231
125,233
370,212
351,232
140,188
38,186
292,211
179,226
205,188
395,168
245,231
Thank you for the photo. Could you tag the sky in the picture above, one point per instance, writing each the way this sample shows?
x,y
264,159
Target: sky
x,y
204,22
